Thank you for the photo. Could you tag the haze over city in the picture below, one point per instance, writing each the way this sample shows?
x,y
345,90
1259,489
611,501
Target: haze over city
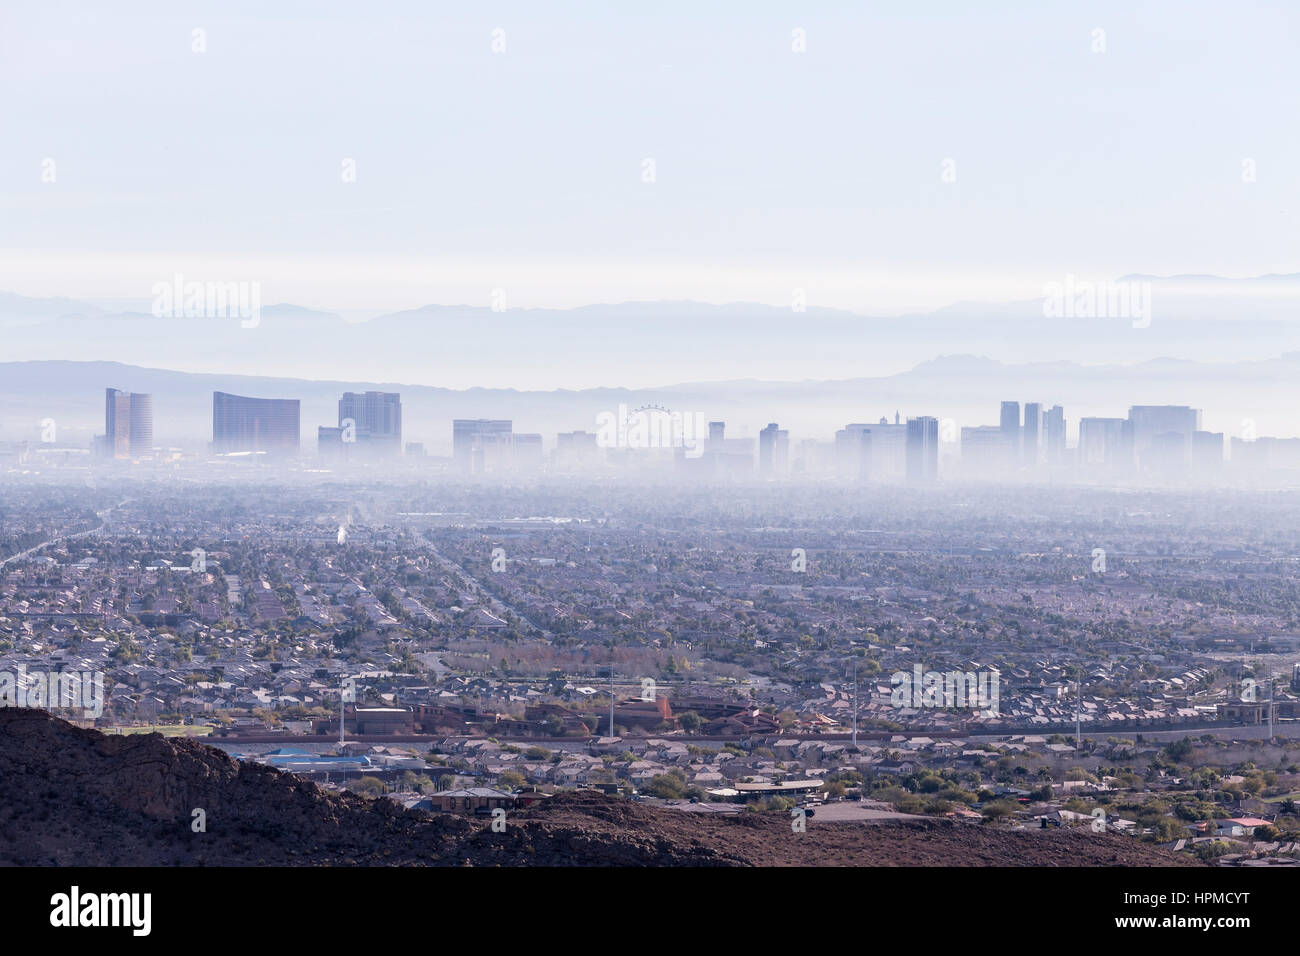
x,y
692,436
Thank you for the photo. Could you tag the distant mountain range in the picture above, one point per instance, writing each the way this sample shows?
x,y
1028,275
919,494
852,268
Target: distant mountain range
x,y
651,344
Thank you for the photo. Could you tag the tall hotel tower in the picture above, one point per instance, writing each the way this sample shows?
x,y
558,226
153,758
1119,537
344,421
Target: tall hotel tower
x,y
128,424
241,424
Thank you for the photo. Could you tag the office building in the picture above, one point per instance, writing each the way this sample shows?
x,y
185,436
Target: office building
x,y
922,449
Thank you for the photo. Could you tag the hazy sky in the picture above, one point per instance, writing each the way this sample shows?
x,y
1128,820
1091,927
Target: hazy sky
x,y
524,169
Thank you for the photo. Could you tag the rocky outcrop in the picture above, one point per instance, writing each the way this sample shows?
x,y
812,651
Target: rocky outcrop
x,y
72,796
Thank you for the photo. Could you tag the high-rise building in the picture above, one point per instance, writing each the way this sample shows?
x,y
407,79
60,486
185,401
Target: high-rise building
x,y
526,451
773,450
853,451
1103,443
1032,435
717,436
1170,427
1054,435
888,451
241,424
922,449
481,444
329,441
577,449
1010,425
983,449
1207,452
128,424
1265,453
376,419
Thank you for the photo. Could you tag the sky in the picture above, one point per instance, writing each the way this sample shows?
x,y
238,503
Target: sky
x,y
910,156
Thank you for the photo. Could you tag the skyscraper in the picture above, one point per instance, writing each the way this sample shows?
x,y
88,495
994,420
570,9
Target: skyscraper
x,y
773,450
1054,432
376,418
1207,452
717,436
1010,425
922,449
1102,442
983,450
241,424
526,451
1162,434
1032,444
853,450
480,444
128,424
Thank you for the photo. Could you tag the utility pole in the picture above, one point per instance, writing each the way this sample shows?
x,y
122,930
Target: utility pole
x,y
348,689
855,705
1078,710
1270,707
611,702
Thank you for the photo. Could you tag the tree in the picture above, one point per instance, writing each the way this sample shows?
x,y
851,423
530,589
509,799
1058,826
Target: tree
x,y
368,787
998,809
667,786
512,780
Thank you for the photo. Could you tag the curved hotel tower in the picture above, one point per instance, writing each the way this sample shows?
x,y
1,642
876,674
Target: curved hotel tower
x,y
242,424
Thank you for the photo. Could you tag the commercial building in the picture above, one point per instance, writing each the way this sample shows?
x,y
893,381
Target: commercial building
x,y
481,444
983,449
1054,435
1032,435
1162,434
773,450
922,449
1104,443
374,420
128,424
1009,422
241,425
853,451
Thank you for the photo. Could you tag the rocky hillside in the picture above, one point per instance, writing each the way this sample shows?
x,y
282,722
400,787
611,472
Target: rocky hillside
x,y
72,796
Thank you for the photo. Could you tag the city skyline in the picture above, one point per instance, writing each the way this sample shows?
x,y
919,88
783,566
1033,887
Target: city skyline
x,y
1151,440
